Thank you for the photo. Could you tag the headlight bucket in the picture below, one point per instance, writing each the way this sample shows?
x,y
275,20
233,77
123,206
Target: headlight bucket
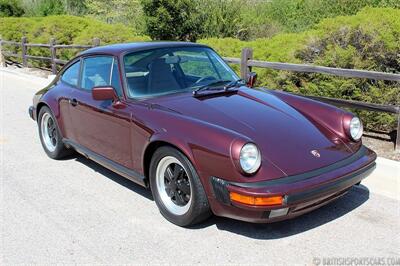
x,y
250,158
353,127
356,128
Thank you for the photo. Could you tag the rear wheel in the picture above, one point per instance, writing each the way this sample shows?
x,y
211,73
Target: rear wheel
x,y
50,136
177,189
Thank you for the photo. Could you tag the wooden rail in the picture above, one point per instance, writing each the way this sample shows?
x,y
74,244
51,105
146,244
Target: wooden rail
x,y
342,72
246,63
54,61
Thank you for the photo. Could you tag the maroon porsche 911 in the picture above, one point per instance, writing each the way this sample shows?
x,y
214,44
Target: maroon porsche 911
x,y
174,117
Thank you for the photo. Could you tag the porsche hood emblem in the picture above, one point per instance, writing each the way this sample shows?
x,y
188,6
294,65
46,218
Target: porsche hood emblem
x,y
315,153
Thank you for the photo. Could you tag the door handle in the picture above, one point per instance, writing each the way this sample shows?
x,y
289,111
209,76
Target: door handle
x,y
73,102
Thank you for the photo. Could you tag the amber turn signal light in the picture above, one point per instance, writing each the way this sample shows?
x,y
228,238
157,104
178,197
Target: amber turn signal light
x,y
256,201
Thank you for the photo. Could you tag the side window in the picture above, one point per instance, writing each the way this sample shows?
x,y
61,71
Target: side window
x,y
96,72
71,75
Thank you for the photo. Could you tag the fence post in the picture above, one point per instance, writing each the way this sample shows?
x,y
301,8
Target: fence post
x,y
397,147
23,52
247,54
2,59
96,42
53,56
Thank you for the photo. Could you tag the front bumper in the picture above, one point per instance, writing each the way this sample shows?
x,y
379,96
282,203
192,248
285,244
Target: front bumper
x,y
32,112
301,193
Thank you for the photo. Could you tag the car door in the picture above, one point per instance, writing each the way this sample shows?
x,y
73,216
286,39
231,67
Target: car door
x,y
100,126
68,83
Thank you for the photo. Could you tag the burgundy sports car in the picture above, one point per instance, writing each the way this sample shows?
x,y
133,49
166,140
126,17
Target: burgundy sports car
x,y
174,117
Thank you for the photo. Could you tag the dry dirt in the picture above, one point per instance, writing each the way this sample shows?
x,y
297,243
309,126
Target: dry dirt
x,y
382,145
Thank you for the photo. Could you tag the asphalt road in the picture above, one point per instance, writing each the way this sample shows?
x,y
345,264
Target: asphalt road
x,y
76,211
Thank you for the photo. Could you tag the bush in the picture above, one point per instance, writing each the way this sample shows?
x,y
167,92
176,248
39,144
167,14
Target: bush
x,y
300,15
221,18
43,7
125,12
175,20
10,8
66,30
369,40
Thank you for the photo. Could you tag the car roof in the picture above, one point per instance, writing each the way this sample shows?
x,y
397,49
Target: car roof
x,y
117,49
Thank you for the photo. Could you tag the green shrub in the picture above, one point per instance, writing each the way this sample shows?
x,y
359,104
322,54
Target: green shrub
x,y
174,20
43,7
369,40
66,30
300,15
221,18
126,12
10,8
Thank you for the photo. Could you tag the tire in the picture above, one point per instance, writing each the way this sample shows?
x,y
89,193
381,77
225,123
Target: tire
x,y
50,135
170,173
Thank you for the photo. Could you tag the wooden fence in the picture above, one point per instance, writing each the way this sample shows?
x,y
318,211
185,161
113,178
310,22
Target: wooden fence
x,y
246,63
52,46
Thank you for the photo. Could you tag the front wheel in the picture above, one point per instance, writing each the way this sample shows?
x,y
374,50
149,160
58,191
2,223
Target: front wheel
x,y
50,135
177,189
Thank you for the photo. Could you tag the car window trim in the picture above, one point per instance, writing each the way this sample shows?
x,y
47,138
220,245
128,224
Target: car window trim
x,y
111,71
213,65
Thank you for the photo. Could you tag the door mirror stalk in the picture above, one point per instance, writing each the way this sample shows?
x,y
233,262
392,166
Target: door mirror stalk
x,y
251,79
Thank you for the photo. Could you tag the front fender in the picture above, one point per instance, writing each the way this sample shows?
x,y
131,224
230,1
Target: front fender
x,y
206,145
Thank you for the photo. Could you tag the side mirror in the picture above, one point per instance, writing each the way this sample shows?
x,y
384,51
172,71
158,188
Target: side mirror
x,y
104,93
251,79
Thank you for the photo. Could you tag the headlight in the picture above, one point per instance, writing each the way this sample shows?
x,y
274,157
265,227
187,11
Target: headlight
x,y
356,128
250,158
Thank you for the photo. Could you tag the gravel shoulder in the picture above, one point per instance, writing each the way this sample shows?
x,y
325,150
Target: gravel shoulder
x,y
382,145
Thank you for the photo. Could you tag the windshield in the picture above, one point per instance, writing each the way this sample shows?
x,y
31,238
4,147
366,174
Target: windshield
x,y
171,70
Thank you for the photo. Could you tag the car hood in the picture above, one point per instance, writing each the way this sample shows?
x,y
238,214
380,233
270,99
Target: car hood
x,y
285,136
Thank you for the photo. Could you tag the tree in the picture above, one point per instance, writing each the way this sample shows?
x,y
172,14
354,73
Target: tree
x,y
10,8
176,20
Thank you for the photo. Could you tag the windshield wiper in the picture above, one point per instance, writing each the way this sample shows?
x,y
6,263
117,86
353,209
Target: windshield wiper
x,y
210,86
234,84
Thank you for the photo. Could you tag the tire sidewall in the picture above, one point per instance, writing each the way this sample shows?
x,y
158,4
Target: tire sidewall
x,y
60,146
190,216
